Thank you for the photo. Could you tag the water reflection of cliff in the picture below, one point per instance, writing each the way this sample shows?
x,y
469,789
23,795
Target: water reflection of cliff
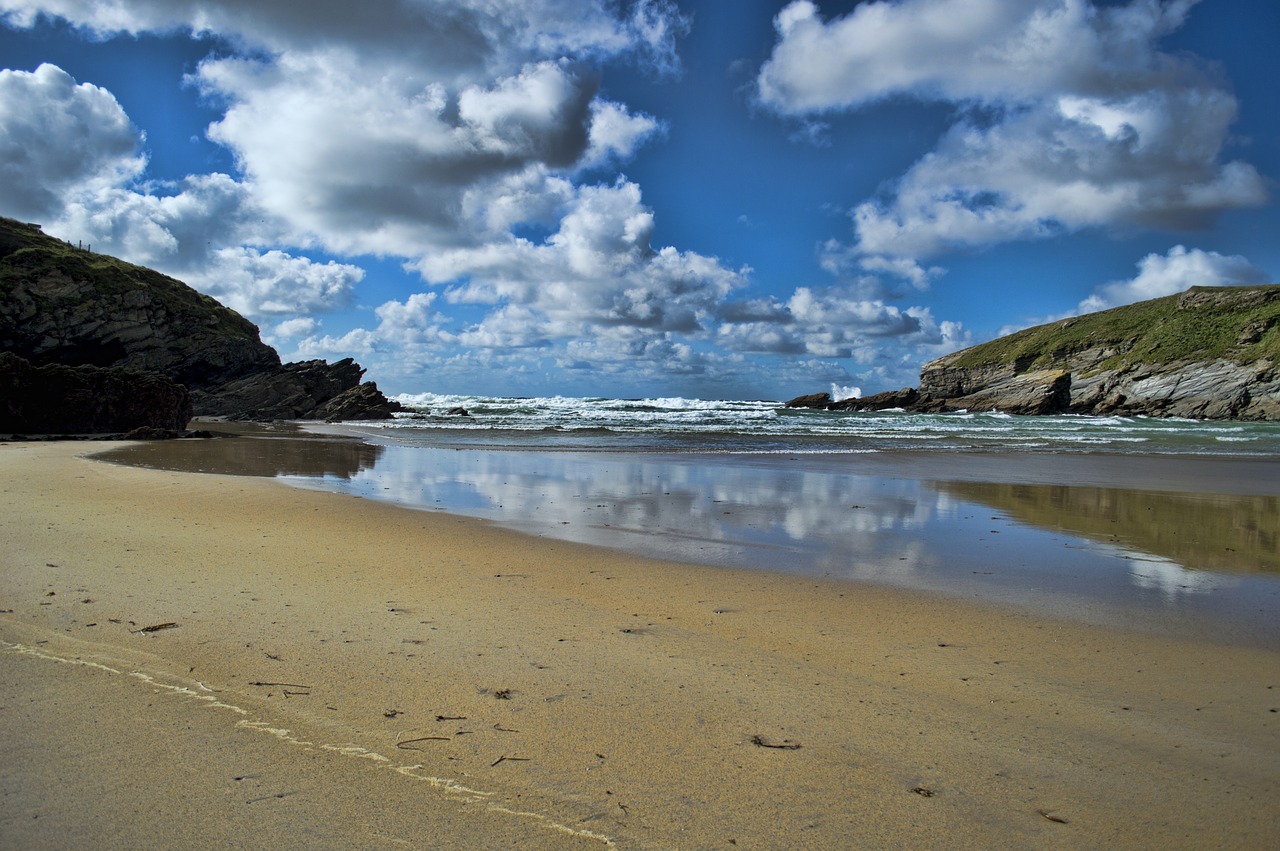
x,y
1217,532
255,456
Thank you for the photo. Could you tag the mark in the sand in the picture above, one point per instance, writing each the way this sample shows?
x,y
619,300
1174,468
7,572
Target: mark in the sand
x,y
270,797
785,745
923,791
1048,815
404,745
415,772
502,694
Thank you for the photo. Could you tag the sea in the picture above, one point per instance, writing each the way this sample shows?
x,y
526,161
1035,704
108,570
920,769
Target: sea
x,y
1167,525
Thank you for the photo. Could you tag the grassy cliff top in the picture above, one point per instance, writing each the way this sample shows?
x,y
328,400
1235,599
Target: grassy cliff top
x,y
1240,324
28,255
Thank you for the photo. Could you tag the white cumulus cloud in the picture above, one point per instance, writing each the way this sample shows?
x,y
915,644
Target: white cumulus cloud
x,y
1175,271
834,322
596,271
59,137
258,283
421,129
1068,117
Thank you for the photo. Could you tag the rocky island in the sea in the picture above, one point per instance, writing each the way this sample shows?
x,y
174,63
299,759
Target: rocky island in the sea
x,y
90,344
1207,353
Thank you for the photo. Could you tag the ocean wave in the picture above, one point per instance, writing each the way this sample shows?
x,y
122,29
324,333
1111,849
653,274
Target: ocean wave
x,y
670,423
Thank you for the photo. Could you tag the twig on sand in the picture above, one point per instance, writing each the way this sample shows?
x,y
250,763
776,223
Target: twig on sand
x,y
281,685
505,758
156,627
1048,814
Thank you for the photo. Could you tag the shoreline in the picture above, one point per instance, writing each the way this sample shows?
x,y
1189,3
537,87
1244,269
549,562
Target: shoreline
x,y
656,702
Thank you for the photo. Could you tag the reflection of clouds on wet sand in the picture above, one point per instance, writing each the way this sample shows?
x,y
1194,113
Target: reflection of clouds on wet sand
x,y
1173,580
765,516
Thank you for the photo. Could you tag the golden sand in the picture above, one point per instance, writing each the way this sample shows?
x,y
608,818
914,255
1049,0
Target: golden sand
x,y
345,674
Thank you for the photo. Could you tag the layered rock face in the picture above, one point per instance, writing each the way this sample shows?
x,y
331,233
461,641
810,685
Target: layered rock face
x,y
62,305
1209,353
1211,390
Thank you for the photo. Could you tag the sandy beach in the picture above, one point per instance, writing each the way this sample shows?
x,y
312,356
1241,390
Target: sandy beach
x,y
192,660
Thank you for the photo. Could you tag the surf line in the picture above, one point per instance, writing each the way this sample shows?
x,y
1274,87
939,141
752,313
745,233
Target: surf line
x,y
206,696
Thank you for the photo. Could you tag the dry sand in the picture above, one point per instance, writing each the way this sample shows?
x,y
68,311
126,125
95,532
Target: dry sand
x,y
345,674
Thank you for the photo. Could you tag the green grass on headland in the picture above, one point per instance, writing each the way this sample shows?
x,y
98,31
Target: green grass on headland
x,y
1239,324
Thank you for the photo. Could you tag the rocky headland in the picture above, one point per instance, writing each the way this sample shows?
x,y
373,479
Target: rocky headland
x,y
1207,353
97,344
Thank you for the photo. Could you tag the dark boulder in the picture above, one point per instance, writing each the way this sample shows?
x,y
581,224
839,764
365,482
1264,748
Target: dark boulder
x,y
815,401
904,398
362,402
59,399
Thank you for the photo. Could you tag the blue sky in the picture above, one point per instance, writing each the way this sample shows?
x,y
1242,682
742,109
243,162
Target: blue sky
x,y
650,198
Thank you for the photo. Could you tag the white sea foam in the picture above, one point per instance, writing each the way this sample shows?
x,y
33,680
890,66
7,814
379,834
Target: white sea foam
x,y
672,423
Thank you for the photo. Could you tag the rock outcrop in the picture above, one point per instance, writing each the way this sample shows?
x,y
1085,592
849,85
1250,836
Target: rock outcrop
x,y
813,401
309,390
63,305
60,399
907,397
1209,353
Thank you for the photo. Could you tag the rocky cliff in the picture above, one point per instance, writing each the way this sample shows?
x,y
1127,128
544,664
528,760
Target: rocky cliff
x,y
1208,353
63,305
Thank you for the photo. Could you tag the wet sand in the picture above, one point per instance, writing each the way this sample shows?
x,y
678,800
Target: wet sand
x,y
343,673
1175,545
